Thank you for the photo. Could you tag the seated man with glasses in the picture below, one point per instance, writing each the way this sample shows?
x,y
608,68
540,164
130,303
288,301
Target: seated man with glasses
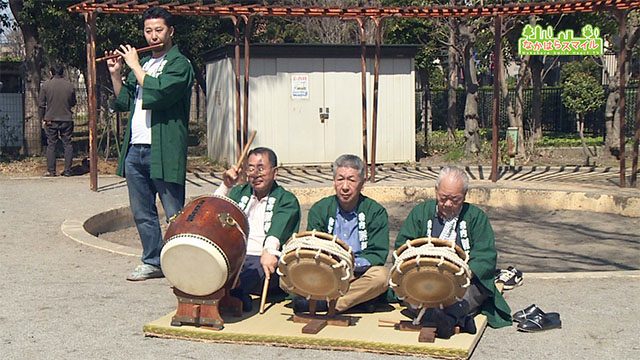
x,y
362,224
273,213
450,217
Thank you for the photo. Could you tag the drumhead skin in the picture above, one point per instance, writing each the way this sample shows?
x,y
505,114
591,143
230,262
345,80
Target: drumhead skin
x,y
311,277
194,264
429,285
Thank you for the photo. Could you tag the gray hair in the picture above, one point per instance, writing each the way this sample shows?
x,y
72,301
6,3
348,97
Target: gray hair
x,y
455,173
349,161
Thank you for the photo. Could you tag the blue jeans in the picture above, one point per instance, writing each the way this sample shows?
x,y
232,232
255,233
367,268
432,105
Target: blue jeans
x,y
142,198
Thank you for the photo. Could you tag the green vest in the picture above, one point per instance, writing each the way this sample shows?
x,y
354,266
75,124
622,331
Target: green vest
x,y
482,252
169,98
374,239
282,216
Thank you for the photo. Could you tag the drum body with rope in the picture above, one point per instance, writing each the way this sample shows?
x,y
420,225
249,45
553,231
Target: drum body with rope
x,y
430,272
205,245
316,265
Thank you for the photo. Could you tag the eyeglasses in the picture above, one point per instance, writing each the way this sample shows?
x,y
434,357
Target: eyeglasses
x,y
259,170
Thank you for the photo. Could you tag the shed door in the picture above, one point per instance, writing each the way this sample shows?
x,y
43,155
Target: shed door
x,y
326,122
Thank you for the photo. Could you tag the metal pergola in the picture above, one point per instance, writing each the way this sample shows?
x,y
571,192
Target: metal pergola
x,y
239,13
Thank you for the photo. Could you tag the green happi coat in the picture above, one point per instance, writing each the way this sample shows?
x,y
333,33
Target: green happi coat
x,y
282,216
168,96
374,239
482,255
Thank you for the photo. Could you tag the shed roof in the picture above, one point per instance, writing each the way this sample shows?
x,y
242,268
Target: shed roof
x,y
312,51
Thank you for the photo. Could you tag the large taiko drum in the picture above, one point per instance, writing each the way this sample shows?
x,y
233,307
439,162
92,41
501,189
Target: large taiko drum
x,y
316,265
430,272
205,245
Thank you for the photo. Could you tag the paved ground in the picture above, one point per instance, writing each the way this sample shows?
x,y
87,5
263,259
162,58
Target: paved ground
x,y
65,300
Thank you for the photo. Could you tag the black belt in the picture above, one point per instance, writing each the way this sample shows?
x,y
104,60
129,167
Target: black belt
x,y
141,145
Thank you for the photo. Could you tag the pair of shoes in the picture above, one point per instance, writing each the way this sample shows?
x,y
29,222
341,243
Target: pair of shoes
x,y
301,305
247,302
526,313
510,278
49,174
144,272
541,322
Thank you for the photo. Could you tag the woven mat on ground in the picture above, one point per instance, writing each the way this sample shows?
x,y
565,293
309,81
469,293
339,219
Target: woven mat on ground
x,y
276,327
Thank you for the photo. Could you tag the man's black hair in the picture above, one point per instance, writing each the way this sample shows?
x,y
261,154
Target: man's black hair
x,y
158,13
273,158
57,69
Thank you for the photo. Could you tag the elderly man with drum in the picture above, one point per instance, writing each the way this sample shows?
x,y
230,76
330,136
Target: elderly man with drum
x,y
273,213
362,224
449,217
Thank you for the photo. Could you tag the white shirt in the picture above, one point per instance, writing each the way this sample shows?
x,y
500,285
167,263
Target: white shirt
x,y
141,119
255,212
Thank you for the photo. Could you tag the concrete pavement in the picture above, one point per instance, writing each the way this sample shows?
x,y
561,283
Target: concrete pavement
x,y
62,299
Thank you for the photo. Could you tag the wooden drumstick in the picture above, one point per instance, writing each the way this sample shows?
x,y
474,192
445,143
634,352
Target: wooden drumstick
x,y
143,49
263,297
245,150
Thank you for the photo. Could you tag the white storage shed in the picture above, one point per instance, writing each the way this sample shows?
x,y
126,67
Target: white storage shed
x,y
305,102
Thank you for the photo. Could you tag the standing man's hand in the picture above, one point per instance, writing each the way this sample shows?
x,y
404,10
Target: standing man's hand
x,y
115,70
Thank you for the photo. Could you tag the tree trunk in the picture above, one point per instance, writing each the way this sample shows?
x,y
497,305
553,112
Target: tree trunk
x,y
452,108
536,66
612,117
33,64
472,144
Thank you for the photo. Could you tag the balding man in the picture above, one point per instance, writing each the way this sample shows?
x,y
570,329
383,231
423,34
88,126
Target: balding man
x,y
450,217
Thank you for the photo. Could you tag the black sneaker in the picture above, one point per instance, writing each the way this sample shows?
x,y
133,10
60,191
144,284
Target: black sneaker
x,y
510,278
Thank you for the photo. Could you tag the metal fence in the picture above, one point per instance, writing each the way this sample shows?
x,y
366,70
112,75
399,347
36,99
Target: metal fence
x,y
556,117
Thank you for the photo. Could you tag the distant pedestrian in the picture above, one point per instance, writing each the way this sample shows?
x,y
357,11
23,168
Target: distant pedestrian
x,y
57,97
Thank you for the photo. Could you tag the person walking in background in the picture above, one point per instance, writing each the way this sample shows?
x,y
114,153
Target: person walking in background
x,y
157,94
57,97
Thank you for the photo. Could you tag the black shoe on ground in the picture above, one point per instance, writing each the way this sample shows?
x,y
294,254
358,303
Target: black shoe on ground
x,y
67,173
528,312
541,322
510,278
49,174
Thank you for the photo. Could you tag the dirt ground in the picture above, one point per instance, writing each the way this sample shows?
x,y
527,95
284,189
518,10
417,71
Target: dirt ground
x,y
541,241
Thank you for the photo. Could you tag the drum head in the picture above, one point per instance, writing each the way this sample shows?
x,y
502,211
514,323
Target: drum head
x,y
427,284
194,264
312,277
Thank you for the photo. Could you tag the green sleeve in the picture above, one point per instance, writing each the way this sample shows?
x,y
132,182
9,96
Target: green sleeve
x,y
286,218
378,237
164,91
483,256
126,96
317,219
413,227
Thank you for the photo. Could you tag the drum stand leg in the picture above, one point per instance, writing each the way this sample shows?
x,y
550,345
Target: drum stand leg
x,y
198,310
315,323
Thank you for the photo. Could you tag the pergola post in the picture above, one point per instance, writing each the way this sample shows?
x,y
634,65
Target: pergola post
x,y
376,76
248,20
236,70
90,27
495,113
363,69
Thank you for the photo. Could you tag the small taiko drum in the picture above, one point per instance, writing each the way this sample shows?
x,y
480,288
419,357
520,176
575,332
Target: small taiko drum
x,y
316,265
205,245
430,272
